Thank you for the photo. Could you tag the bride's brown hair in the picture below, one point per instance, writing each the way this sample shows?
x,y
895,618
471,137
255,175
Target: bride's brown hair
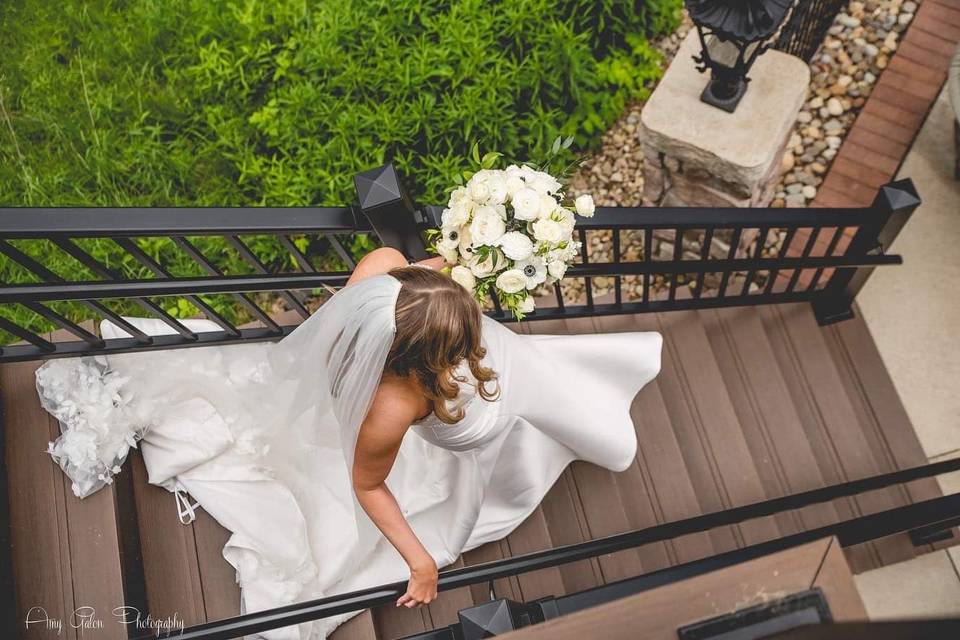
x,y
438,327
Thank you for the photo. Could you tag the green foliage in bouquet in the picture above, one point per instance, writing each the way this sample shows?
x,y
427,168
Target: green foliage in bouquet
x,y
213,103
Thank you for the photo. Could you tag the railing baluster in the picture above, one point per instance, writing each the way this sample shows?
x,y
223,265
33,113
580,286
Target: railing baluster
x,y
25,334
731,254
141,256
618,280
647,250
559,293
757,254
212,269
677,257
341,251
704,257
807,248
42,272
65,323
772,277
588,284
298,255
259,267
101,271
837,234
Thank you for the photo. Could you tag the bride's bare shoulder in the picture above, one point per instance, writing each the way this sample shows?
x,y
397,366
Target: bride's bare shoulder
x,y
393,410
376,262
396,403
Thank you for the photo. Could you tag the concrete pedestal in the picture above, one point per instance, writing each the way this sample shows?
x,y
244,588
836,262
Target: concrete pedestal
x,y
698,155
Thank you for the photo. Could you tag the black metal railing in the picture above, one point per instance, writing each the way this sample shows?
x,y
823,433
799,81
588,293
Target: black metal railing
x,y
936,515
805,29
633,260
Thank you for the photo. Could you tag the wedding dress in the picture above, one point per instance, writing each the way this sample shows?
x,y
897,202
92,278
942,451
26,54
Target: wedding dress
x,y
262,437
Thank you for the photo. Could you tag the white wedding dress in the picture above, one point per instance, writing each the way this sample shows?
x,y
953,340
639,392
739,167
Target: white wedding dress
x,y
221,424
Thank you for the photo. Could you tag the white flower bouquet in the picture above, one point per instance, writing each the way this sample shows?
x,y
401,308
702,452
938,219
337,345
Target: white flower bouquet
x,y
509,231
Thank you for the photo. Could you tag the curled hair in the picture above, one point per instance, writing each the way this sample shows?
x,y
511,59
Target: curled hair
x,y
438,328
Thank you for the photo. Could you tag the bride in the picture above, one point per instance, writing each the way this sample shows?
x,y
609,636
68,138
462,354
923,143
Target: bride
x,y
393,430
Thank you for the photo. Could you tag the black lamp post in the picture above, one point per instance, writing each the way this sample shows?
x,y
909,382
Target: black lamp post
x,y
732,34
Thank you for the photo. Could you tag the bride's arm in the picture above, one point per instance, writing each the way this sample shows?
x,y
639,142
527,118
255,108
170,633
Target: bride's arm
x,y
382,260
377,445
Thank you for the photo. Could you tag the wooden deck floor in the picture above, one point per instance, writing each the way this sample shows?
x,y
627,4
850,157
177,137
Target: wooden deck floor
x,y
751,403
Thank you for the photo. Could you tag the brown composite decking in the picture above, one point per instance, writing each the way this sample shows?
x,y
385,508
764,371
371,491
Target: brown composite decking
x,y
751,403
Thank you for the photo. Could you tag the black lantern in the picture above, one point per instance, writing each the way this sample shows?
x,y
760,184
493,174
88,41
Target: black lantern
x,y
732,34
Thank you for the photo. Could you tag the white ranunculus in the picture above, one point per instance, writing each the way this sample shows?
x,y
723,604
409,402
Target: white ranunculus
x,y
478,190
527,305
514,183
585,206
544,182
498,189
456,215
528,173
547,205
526,204
557,268
534,270
458,196
547,230
511,281
516,245
495,261
566,219
487,226
464,277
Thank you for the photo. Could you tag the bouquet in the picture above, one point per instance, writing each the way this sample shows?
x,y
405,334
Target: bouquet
x,y
509,231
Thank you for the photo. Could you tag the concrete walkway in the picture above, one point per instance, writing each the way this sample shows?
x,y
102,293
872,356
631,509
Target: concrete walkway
x,y
913,312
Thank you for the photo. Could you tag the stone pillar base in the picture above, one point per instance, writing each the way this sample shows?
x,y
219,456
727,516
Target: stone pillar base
x,y
698,155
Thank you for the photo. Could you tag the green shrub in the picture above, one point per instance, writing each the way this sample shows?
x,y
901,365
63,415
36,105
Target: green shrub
x,y
180,102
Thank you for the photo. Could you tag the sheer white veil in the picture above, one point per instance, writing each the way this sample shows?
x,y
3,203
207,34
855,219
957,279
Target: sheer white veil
x,y
336,357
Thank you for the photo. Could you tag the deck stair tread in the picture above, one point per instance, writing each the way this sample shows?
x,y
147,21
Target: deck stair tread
x,y
750,403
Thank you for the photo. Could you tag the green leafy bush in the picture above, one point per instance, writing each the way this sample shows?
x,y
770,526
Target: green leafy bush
x,y
202,102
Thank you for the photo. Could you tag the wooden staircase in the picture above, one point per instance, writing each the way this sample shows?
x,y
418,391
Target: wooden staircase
x,y
751,403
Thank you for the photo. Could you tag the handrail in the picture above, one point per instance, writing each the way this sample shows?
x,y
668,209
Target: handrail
x,y
945,510
106,222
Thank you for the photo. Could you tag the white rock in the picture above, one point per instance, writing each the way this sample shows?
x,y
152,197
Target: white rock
x,y
834,107
809,192
795,200
848,21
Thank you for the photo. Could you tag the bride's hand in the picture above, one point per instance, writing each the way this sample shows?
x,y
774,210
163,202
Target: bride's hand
x,y
422,587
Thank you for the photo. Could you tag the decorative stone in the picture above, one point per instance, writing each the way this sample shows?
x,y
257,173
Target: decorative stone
x,y
795,200
742,152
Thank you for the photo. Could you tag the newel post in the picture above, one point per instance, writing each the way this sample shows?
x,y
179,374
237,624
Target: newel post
x,y
892,207
390,211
